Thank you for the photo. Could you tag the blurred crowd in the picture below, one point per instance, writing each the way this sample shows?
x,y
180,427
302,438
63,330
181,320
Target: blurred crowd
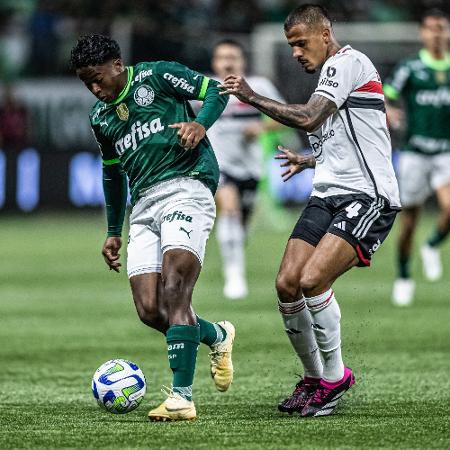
x,y
36,35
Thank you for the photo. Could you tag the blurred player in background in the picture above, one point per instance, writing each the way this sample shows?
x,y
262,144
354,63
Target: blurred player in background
x,y
235,139
352,207
423,82
147,131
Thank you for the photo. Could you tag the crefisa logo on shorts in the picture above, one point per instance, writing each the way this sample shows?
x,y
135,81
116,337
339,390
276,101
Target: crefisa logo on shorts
x,y
177,215
144,95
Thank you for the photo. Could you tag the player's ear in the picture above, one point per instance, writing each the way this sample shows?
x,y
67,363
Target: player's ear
x,y
326,35
118,65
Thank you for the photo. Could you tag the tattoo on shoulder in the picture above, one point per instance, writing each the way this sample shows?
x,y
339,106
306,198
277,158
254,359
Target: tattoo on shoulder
x,y
321,108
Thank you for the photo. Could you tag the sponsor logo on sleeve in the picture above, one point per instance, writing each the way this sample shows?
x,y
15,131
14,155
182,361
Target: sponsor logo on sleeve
x,y
179,82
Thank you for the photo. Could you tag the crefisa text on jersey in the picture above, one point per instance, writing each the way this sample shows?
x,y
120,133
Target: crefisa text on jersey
x,y
139,132
143,74
181,82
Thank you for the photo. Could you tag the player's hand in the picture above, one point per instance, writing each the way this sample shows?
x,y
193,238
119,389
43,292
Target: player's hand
x,y
396,117
189,133
294,162
110,252
238,86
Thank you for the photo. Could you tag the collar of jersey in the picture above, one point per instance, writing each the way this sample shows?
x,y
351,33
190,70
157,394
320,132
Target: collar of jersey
x,y
125,90
435,64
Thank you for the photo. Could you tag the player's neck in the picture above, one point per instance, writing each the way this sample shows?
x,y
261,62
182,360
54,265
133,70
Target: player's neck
x,y
437,53
122,80
333,48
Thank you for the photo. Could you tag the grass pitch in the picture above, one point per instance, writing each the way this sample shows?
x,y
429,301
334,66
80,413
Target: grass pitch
x,y
62,314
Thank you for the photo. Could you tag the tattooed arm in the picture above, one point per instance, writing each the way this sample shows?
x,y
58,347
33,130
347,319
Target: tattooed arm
x,y
307,117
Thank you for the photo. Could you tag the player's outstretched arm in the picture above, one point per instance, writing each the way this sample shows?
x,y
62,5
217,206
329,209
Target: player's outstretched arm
x,y
294,162
307,117
191,133
115,190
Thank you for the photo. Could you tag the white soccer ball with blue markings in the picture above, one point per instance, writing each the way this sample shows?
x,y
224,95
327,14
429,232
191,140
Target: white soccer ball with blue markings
x,y
119,386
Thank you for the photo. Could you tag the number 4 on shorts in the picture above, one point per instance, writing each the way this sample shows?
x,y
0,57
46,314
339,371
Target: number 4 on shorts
x,y
353,209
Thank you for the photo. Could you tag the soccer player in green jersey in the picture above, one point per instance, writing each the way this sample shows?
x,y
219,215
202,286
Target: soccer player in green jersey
x,y
423,82
147,132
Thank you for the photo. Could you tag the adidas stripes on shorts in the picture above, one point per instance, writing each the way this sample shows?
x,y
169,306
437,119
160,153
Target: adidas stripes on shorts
x,y
364,222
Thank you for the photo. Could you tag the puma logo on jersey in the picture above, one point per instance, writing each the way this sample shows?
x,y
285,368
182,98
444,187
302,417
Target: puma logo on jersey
x,y
138,133
186,231
176,215
179,82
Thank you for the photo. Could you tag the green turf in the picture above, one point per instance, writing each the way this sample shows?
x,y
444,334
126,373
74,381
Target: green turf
x,y
62,314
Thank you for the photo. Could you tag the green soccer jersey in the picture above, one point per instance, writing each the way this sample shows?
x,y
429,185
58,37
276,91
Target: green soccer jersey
x,y
134,129
424,85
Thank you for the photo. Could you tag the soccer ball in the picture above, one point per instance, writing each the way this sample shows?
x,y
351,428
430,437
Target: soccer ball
x,y
119,386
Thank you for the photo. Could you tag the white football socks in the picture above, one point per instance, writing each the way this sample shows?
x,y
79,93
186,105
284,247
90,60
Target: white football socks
x,y
231,236
326,317
298,326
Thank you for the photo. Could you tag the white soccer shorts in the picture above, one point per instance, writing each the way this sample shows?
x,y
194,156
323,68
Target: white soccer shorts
x,y
420,175
173,214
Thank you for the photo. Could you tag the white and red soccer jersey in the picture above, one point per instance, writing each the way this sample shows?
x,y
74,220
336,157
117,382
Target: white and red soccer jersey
x,y
353,147
237,156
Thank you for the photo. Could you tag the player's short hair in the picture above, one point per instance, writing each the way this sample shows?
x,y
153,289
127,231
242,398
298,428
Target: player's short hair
x,y
93,50
434,12
229,41
308,14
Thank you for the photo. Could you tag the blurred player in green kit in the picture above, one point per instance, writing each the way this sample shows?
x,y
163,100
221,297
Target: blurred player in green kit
x,y
147,132
423,82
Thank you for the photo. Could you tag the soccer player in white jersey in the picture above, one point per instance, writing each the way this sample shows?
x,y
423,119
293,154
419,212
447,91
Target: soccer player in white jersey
x,y
352,207
234,138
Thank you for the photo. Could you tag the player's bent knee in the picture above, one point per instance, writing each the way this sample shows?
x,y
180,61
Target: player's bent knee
x,y
312,281
288,287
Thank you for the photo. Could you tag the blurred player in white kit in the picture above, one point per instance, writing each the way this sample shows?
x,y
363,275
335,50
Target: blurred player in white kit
x,y
235,140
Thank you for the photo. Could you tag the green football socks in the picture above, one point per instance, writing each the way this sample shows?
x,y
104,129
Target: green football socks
x,y
210,333
182,346
437,237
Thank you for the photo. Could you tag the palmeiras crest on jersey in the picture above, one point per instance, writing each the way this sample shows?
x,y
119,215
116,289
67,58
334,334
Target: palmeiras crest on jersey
x,y
144,95
122,112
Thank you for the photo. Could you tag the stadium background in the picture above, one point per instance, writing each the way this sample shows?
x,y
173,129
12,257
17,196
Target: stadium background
x,y
62,314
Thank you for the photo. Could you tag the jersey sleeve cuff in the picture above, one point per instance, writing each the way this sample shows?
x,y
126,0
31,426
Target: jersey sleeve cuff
x,y
203,88
110,162
114,232
329,96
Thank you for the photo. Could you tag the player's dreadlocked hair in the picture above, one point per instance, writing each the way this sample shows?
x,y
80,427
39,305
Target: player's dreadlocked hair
x,y
308,14
93,50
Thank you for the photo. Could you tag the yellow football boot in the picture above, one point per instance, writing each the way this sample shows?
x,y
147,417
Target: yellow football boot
x,y
221,364
173,408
